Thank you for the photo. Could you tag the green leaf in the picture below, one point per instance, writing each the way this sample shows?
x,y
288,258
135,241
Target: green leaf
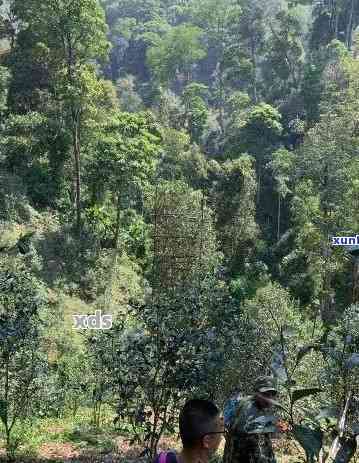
x,y
288,332
301,393
331,352
310,439
328,412
274,403
304,351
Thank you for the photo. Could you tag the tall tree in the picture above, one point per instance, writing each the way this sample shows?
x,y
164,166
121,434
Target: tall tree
x,y
126,151
325,194
220,21
282,167
232,188
334,19
284,56
128,21
176,53
196,109
252,35
256,131
64,36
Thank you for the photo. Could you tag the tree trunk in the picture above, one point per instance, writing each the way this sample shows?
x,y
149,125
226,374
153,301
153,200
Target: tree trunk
x,y
342,448
118,222
259,183
355,293
336,31
6,411
221,100
349,31
221,86
291,65
77,154
153,440
279,206
254,74
75,121
9,452
188,77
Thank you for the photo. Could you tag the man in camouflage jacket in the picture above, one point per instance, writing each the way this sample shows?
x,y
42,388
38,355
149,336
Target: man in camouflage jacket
x,y
242,446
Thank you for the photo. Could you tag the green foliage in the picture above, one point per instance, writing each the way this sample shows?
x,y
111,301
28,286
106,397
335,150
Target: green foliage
x,y
334,22
184,224
82,21
310,439
245,285
130,101
170,110
181,160
252,37
288,366
312,89
176,52
321,206
282,167
234,194
219,19
4,81
196,110
22,302
342,371
262,119
185,346
285,55
57,41
24,146
64,35
126,150
13,201
206,166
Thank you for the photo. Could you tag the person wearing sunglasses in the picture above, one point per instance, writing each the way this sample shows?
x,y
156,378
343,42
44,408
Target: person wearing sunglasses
x,y
201,430
244,444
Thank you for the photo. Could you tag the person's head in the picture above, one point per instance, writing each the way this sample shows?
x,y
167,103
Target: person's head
x,y
265,391
201,426
235,392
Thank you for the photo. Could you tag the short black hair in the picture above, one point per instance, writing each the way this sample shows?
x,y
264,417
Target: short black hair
x,y
195,420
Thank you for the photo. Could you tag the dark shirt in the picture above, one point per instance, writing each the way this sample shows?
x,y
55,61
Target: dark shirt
x,y
242,446
171,458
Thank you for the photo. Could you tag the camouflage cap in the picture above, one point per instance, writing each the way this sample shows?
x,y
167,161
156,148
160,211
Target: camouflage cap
x,y
265,384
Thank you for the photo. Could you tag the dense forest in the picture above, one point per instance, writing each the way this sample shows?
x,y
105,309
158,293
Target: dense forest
x,y
182,166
